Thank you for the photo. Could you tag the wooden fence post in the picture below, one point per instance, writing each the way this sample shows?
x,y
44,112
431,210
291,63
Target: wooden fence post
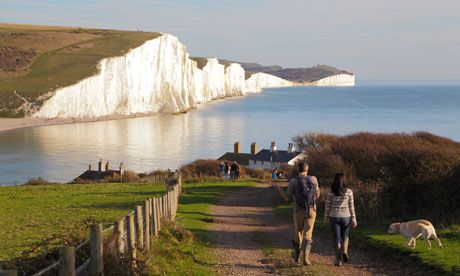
x,y
8,273
155,217
176,200
152,220
173,204
162,199
66,261
96,240
139,226
171,200
158,199
179,182
158,214
131,236
147,224
119,230
169,205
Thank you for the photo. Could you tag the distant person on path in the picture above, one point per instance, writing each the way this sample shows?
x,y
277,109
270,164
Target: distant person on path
x,y
340,212
304,189
233,170
237,170
221,169
275,174
226,170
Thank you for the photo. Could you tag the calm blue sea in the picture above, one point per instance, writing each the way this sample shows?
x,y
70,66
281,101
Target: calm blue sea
x,y
60,153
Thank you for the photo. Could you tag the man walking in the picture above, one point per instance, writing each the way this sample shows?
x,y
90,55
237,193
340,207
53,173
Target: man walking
x,y
304,189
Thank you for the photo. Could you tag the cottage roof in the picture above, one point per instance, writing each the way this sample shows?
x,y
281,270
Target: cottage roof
x,y
241,158
281,156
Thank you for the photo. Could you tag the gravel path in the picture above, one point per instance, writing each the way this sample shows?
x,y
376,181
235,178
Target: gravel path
x,y
244,223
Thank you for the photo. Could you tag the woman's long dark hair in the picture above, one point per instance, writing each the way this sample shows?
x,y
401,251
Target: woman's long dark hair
x,y
339,185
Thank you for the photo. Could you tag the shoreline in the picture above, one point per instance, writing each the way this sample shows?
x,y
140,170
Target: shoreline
x,y
7,124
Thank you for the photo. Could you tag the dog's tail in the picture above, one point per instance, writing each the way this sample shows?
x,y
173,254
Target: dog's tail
x,y
425,222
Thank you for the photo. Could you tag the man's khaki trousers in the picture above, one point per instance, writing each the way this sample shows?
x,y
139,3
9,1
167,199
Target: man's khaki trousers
x,y
303,225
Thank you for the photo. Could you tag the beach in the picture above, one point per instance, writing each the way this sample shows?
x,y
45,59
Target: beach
x,y
17,123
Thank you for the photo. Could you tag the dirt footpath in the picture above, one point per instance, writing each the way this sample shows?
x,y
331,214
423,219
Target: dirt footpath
x,y
252,240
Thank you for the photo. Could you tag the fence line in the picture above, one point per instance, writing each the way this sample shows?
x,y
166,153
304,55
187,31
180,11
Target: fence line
x,y
134,231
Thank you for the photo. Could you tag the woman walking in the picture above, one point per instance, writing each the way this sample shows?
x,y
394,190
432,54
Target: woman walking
x,y
340,212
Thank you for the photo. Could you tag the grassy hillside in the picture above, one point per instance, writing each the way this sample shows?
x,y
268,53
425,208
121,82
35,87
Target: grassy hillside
x,y
37,59
31,214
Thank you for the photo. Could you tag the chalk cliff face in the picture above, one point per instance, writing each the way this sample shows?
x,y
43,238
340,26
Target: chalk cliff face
x,y
258,81
155,77
160,77
337,80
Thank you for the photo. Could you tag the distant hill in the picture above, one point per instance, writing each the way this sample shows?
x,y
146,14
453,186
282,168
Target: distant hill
x,y
293,74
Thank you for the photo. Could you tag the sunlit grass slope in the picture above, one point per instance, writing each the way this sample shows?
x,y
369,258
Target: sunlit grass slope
x,y
39,59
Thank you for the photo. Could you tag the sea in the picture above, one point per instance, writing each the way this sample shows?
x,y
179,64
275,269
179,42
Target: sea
x,y
60,153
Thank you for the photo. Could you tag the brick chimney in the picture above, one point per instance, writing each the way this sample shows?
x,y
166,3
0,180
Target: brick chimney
x,y
99,165
236,147
107,166
291,148
273,146
89,166
253,148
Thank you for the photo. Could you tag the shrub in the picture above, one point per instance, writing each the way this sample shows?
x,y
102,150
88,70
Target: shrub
x,y
257,173
404,176
37,181
200,170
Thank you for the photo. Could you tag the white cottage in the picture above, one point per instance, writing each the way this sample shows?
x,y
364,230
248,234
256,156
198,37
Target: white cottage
x,y
274,158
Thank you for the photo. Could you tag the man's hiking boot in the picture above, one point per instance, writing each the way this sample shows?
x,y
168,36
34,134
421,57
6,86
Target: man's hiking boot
x,y
306,247
296,252
338,255
345,250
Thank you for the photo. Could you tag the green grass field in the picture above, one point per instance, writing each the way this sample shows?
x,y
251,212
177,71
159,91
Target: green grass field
x,y
30,214
374,238
64,56
446,259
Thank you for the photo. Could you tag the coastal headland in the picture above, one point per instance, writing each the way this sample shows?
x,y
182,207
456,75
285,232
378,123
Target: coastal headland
x,y
55,75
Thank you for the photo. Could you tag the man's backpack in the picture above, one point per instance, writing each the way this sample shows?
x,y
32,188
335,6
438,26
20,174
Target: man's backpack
x,y
308,190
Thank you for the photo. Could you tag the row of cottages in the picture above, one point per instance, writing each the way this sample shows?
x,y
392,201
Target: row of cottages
x,y
264,159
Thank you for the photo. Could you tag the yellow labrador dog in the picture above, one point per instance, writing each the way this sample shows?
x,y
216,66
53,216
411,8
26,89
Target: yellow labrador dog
x,y
412,230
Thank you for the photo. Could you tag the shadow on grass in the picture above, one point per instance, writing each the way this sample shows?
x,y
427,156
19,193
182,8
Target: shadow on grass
x,y
147,194
110,206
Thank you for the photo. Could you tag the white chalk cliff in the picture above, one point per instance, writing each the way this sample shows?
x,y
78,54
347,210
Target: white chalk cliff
x,y
258,81
158,76
337,80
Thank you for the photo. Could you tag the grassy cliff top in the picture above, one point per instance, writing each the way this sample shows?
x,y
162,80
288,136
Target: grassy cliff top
x,y
200,61
37,59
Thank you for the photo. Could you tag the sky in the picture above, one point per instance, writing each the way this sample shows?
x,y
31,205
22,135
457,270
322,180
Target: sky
x,y
386,40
